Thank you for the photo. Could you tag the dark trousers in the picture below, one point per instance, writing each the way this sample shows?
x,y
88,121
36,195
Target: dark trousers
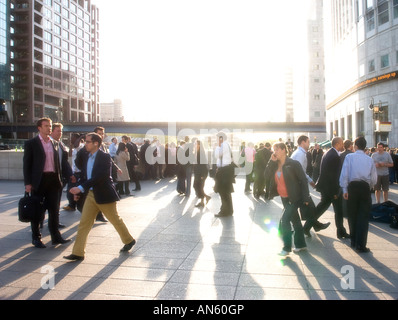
x,y
323,205
227,208
123,187
290,217
49,190
359,206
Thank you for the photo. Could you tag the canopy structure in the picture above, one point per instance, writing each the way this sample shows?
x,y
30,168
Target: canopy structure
x,y
325,144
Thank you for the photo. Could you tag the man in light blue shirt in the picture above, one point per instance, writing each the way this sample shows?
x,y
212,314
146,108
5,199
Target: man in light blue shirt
x,y
113,148
357,177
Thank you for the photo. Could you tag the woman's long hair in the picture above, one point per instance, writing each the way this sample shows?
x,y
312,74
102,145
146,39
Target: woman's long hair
x,y
121,147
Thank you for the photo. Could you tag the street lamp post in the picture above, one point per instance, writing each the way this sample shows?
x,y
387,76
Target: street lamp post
x,y
377,110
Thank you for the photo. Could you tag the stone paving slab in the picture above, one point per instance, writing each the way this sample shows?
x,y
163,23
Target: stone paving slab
x,y
185,253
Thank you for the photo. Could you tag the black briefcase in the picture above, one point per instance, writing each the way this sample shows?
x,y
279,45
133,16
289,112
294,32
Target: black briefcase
x,y
30,208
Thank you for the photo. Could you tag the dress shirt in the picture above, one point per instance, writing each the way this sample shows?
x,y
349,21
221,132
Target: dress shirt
x,y
74,153
300,155
90,165
49,151
113,149
223,155
358,167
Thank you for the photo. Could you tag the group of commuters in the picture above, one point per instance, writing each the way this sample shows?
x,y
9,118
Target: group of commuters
x,y
46,169
99,175
345,179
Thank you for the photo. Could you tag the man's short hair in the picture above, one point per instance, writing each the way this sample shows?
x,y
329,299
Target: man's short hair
x,y
302,139
57,125
347,144
95,137
99,129
40,121
381,144
360,143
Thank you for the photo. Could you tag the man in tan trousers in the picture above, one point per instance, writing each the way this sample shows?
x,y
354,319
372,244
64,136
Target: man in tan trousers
x,y
101,196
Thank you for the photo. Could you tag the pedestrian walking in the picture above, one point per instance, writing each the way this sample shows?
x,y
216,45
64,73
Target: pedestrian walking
x,y
288,180
308,212
358,176
201,171
101,196
329,187
225,176
123,178
42,177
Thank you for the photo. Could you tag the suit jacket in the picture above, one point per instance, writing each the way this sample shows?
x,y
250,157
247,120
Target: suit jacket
x,y
295,180
66,169
34,160
101,178
328,181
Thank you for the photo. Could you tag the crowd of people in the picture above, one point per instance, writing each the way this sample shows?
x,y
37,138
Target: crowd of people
x,y
100,174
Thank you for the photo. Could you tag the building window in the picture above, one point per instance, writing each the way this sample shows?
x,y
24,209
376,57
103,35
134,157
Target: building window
x,y
395,8
371,65
384,61
360,123
370,20
383,13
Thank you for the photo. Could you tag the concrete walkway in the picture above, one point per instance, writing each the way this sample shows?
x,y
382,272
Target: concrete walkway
x,y
183,252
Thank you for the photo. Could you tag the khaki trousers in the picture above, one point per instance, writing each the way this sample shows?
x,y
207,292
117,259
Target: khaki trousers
x,y
89,213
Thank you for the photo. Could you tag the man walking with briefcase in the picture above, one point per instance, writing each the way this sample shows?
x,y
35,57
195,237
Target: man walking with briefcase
x,y
42,178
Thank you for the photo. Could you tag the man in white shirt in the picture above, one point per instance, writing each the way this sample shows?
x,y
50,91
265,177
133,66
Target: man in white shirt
x,y
225,175
300,155
357,177
113,147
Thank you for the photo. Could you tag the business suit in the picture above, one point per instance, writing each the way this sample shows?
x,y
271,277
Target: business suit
x,y
47,185
329,187
101,195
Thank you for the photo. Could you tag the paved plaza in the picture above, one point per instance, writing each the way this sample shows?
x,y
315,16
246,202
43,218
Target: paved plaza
x,y
185,253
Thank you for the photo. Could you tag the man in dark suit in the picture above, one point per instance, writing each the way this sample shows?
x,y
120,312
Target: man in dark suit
x,y
329,187
101,195
42,177
133,162
66,170
260,163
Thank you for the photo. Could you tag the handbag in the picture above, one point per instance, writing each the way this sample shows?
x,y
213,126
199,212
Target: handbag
x,y
30,208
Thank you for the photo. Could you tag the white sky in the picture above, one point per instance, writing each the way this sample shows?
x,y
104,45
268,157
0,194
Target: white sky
x,y
197,60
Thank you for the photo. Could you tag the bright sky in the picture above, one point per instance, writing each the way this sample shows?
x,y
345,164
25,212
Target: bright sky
x,y
196,60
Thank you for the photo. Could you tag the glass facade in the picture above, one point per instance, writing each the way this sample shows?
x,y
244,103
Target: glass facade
x,y
64,73
5,90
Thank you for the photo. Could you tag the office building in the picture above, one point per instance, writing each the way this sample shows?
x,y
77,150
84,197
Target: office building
x,y
5,79
361,54
112,111
54,60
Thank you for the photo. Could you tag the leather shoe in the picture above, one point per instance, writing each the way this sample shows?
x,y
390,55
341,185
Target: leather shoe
x,y
60,241
128,246
73,257
100,217
321,226
38,244
343,236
